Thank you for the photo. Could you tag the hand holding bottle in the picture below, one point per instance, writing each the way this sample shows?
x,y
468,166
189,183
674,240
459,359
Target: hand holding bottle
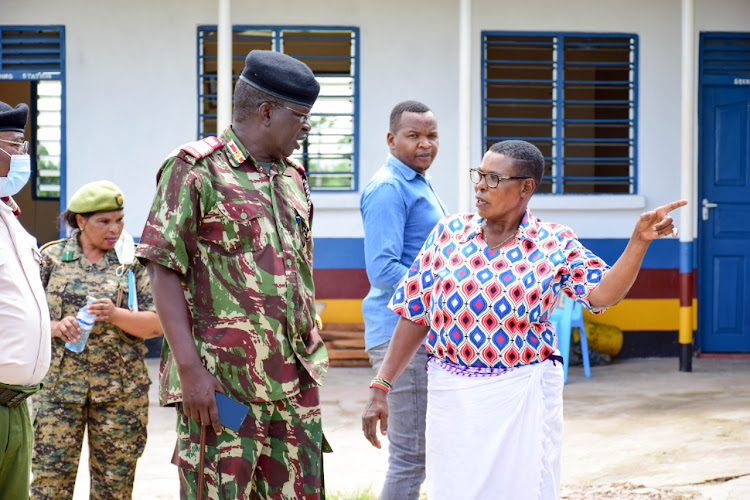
x,y
86,322
103,310
67,329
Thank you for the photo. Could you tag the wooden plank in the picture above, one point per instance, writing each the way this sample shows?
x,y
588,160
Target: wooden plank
x,y
349,362
346,344
347,354
335,335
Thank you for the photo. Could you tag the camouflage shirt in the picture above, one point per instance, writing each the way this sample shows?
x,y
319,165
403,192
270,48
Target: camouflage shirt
x,y
112,362
239,237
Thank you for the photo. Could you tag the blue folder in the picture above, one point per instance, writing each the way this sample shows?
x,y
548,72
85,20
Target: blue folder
x,y
231,413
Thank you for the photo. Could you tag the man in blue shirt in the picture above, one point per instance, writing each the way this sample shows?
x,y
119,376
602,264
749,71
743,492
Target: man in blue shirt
x,y
399,209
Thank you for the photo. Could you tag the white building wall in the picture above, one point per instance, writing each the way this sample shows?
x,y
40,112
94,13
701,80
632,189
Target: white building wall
x,y
131,83
131,87
657,25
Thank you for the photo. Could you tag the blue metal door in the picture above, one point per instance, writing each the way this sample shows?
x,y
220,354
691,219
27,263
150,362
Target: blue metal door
x,y
724,220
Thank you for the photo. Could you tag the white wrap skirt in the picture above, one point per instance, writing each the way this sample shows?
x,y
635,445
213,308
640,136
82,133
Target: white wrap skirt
x,y
494,434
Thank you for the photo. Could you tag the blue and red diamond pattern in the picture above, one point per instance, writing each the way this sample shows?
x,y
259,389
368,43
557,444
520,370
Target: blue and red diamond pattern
x,y
491,307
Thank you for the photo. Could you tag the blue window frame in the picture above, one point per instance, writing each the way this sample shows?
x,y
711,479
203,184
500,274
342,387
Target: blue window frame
x,y
329,154
573,95
36,54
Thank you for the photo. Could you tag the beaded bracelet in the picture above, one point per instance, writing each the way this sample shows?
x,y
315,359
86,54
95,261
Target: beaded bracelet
x,y
381,384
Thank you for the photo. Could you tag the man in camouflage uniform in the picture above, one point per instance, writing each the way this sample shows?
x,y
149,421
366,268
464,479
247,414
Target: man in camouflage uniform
x,y
229,251
104,387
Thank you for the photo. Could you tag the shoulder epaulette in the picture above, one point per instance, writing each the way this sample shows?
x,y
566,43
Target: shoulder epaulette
x,y
8,200
301,170
50,243
197,150
298,167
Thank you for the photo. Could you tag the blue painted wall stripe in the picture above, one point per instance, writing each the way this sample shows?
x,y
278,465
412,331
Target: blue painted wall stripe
x,y
687,263
662,254
339,253
348,253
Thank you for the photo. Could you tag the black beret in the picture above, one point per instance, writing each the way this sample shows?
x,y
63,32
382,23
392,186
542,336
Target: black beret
x,y
13,118
281,76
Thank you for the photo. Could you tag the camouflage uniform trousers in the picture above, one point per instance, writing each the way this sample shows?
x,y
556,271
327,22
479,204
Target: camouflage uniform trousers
x,y
116,434
276,455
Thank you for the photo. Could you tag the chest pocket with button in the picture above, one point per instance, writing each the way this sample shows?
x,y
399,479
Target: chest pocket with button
x,y
232,227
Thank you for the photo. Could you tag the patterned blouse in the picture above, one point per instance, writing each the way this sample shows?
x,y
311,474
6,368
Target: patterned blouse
x,y
489,308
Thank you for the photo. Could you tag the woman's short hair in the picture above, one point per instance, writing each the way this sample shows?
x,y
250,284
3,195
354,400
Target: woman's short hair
x,y
527,159
69,218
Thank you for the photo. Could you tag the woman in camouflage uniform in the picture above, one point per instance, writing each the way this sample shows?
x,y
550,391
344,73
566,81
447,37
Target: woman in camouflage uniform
x,y
104,387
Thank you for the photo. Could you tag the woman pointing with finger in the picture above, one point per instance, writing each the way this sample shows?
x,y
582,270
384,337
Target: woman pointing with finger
x,y
482,291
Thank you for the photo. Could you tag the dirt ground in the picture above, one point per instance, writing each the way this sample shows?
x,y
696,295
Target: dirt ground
x,y
637,429
644,423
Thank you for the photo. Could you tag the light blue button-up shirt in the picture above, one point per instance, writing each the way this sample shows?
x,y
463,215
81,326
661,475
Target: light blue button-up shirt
x,y
399,210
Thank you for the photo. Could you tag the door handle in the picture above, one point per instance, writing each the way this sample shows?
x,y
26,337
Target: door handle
x,y
706,205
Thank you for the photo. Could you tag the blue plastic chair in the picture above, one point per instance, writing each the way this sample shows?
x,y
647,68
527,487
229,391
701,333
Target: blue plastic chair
x,y
564,319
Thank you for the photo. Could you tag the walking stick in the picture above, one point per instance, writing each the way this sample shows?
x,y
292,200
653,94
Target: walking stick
x,y
201,461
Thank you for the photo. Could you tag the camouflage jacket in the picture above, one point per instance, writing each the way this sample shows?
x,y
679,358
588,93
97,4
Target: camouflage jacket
x,y
112,362
239,237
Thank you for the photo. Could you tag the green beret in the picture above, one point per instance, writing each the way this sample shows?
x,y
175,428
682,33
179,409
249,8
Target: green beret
x,y
96,196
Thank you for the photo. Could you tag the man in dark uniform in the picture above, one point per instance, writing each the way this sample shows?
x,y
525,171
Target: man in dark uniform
x,y
24,316
229,251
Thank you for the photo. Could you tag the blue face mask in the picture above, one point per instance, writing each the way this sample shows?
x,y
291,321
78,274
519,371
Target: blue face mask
x,y
18,175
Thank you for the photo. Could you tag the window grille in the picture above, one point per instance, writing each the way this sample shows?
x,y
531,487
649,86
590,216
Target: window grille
x,y
37,54
329,154
725,58
572,95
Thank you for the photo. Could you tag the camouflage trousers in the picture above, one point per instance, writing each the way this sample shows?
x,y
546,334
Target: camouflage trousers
x,y
276,454
116,434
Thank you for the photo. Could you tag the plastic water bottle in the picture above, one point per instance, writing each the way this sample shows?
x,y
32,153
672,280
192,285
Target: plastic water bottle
x,y
86,322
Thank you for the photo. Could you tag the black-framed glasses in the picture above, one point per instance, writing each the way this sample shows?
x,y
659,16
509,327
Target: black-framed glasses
x,y
492,179
24,146
303,117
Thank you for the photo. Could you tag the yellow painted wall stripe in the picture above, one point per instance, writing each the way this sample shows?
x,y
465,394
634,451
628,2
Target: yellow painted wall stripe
x,y
341,311
644,314
686,325
630,314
